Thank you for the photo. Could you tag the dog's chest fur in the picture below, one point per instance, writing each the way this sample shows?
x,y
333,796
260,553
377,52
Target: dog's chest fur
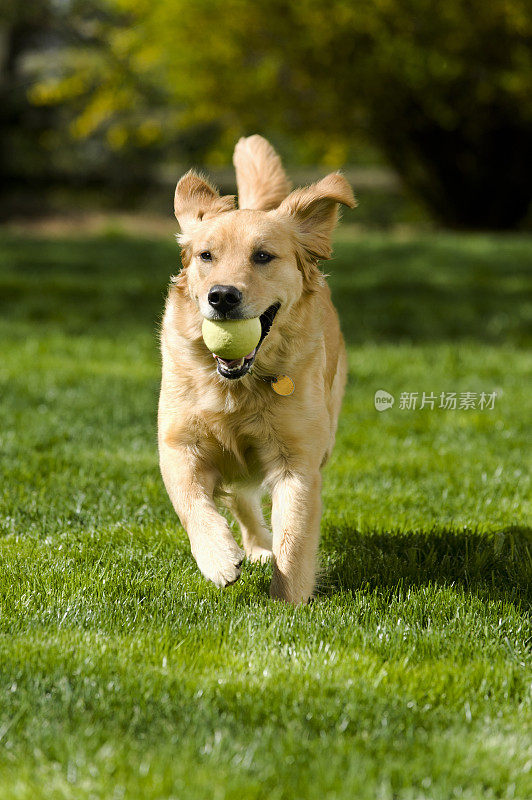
x,y
245,438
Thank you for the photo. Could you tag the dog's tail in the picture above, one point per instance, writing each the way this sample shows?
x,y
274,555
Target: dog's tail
x,y
260,177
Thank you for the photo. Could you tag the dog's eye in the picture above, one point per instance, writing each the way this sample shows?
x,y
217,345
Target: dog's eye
x,y
206,255
262,257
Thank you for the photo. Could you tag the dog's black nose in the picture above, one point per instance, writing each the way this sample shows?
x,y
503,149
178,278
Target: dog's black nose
x,y
224,298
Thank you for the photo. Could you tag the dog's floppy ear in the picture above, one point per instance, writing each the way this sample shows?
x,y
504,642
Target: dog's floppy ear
x,y
195,199
260,177
314,211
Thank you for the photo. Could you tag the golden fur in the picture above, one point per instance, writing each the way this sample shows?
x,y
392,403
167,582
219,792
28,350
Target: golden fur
x,y
234,439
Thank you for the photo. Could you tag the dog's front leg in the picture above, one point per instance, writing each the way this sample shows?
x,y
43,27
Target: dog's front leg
x,y
191,487
296,513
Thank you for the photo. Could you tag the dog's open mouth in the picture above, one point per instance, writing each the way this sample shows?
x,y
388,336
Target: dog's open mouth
x,y
238,367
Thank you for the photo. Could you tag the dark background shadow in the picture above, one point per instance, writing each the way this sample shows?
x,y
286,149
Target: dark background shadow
x,y
430,289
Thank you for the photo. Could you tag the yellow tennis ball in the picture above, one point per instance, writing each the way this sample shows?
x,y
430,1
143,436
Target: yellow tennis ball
x,y
231,338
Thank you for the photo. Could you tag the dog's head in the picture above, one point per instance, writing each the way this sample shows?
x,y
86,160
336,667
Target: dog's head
x,y
249,262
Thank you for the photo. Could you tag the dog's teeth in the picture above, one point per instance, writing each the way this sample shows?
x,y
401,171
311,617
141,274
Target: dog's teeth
x,y
232,364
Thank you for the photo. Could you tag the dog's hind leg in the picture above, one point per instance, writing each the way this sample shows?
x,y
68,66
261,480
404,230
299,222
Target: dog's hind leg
x,y
244,503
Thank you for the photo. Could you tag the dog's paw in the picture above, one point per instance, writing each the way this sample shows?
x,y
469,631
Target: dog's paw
x,y
220,562
259,554
289,591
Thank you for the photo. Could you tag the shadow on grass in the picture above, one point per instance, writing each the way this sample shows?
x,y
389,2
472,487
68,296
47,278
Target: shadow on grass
x,y
496,566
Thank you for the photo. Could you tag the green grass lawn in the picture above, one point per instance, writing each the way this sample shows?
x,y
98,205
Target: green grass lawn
x,y
123,674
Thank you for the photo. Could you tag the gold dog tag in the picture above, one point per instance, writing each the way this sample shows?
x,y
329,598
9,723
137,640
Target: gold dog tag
x,y
283,385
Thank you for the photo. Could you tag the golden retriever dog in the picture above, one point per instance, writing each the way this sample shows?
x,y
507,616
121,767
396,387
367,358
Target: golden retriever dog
x,y
232,430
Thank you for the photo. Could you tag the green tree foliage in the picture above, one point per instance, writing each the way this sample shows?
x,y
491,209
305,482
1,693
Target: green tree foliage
x,y
51,54
21,124
443,89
